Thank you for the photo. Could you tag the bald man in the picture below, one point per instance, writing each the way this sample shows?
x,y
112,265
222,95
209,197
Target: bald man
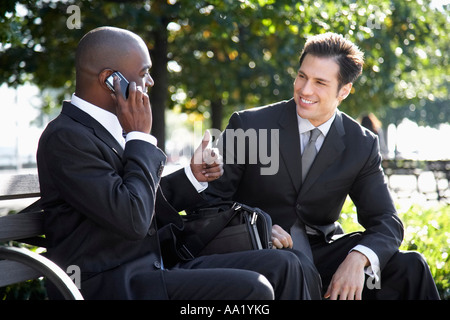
x,y
107,208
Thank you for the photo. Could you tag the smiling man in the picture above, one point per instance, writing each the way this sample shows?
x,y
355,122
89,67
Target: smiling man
x,y
324,157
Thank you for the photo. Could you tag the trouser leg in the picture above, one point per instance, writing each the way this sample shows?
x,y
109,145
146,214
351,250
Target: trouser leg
x,y
405,276
217,284
312,280
283,269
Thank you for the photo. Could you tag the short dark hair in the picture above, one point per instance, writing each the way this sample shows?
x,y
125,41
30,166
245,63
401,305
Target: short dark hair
x,y
346,54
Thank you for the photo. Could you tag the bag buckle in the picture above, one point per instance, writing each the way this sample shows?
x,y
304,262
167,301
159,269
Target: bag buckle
x,y
254,218
184,253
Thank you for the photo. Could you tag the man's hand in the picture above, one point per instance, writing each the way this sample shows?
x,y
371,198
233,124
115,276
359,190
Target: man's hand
x,y
206,163
348,281
280,238
134,113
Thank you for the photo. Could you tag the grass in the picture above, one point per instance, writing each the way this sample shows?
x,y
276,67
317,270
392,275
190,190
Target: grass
x,y
427,231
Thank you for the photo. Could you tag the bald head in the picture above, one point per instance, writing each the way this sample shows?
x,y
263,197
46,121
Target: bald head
x,y
105,47
110,49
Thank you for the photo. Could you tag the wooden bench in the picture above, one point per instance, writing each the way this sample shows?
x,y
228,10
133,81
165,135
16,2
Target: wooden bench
x,y
18,264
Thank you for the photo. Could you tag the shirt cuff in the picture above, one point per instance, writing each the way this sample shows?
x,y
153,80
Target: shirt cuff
x,y
137,135
374,269
199,186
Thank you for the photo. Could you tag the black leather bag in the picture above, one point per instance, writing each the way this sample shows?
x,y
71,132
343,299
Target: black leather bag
x,y
226,227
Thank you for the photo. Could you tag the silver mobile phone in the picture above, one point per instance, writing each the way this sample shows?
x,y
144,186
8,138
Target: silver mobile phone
x,y
123,83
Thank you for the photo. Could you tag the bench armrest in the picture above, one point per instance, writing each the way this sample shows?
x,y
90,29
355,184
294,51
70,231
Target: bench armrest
x,y
48,269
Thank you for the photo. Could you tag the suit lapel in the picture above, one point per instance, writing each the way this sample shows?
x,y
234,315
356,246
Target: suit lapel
x,y
332,147
85,119
290,143
107,138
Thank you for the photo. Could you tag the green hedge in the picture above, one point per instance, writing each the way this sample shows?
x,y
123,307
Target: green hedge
x,y
427,231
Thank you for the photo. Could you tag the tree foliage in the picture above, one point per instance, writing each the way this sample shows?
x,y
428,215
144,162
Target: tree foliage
x,y
213,57
242,54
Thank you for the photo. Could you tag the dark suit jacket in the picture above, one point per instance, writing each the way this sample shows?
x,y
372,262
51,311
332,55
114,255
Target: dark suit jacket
x,y
100,203
349,163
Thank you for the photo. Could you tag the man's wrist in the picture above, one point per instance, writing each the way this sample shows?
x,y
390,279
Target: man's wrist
x,y
199,186
137,135
359,258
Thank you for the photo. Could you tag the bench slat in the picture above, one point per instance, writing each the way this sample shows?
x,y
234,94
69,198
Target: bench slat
x,y
14,272
48,268
21,264
21,225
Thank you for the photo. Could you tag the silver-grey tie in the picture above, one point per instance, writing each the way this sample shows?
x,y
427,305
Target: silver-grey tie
x,y
310,152
298,231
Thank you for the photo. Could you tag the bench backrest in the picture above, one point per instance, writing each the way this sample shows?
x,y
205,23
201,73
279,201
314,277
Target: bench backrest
x,y
22,226
20,264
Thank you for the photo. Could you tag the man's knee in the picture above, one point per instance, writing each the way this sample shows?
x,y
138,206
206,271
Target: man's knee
x,y
285,257
409,260
258,288
415,257
407,276
298,260
407,266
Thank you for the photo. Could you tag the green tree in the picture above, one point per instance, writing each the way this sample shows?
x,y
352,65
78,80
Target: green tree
x,y
213,57
41,48
243,54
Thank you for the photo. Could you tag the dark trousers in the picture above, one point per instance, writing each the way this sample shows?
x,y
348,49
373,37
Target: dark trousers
x,y
406,276
244,275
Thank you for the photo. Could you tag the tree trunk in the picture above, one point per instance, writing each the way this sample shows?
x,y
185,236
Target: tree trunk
x,y
216,114
159,73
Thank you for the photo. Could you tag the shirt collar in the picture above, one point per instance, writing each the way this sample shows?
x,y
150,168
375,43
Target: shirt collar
x,y
304,125
107,119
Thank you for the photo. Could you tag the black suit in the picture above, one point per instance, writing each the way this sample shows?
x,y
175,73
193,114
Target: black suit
x,y
102,207
348,163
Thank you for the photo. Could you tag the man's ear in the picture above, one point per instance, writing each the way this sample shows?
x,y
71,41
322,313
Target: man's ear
x,y
345,91
103,75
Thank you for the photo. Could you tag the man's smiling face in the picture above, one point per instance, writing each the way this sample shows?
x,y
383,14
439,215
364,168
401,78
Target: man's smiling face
x,y
316,89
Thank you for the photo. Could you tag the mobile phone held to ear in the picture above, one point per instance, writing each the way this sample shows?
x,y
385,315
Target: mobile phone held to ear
x,y
122,81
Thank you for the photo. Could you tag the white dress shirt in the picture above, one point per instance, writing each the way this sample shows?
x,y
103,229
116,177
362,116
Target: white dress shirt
x,y
304,126
110,122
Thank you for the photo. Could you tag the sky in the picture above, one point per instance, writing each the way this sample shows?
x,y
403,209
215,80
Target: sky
x,y
439,3
18,109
